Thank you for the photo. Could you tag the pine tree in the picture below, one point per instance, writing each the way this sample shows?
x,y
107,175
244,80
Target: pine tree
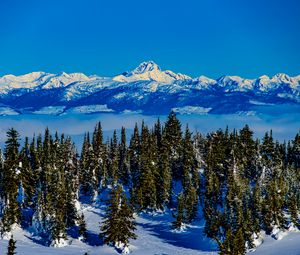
x,y
215,175
248,153
12,213
98,150
191,203
180,217
82,231
88,184
134,156
293,210
114,159
2,194
27,175
123,167
173,136
118,226
227,246
70,171
164,178
239,243
256,208
11,246
146,186
58,198
189,163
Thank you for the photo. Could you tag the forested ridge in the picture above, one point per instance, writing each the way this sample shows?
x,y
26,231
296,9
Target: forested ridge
x,y
239,184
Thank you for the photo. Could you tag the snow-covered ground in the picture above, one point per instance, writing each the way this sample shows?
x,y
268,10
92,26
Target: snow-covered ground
x,y
154,237
289,245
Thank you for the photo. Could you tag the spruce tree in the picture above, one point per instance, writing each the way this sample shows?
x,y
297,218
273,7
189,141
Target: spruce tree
x,y
227,247
123,166
114,159
248,153
82,231
145,191
173,136
11,172
88,185
70,171
98,154
180,216
118,225
164,178
191,203
11,249
28,178
239,243
2,197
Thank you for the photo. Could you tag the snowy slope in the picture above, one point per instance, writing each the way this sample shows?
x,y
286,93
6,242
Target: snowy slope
x,y
147,89
154,237
289,245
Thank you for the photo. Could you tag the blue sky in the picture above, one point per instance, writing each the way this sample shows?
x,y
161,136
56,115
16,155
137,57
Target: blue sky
x,y
210,37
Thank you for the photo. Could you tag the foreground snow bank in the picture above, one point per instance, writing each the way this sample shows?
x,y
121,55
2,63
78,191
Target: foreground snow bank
x,y
155,236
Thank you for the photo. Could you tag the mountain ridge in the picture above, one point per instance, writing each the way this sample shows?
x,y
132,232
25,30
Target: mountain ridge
x,y
147,89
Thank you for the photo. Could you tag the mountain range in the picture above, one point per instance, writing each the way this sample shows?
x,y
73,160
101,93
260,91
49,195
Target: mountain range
x,y
147,89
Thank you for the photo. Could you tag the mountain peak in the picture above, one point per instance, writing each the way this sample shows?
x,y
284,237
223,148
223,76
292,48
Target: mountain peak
x,y
147,66
63,74
282,77
150,71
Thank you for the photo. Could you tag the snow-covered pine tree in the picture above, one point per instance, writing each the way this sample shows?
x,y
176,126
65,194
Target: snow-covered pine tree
x,y
123,167
173,136
11,249
248,153
82,231
145,191
295,152
28,183
214,174
134,152
227,246
164,179
70,169
11,172
2,197
87,178
98,149
118,226
113,159
239,243
190,174
191,203
57,202
180,215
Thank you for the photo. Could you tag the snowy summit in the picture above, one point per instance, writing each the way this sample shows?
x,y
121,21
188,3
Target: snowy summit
x,y
147,89
148,71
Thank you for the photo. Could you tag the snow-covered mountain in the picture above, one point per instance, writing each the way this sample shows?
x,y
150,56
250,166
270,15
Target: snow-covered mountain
x,y
149,71
147,89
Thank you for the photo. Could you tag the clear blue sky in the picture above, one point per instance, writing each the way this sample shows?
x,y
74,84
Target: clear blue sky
x,y
210,37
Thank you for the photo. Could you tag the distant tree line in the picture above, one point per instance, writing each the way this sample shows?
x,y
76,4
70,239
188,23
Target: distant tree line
x,y
239,184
